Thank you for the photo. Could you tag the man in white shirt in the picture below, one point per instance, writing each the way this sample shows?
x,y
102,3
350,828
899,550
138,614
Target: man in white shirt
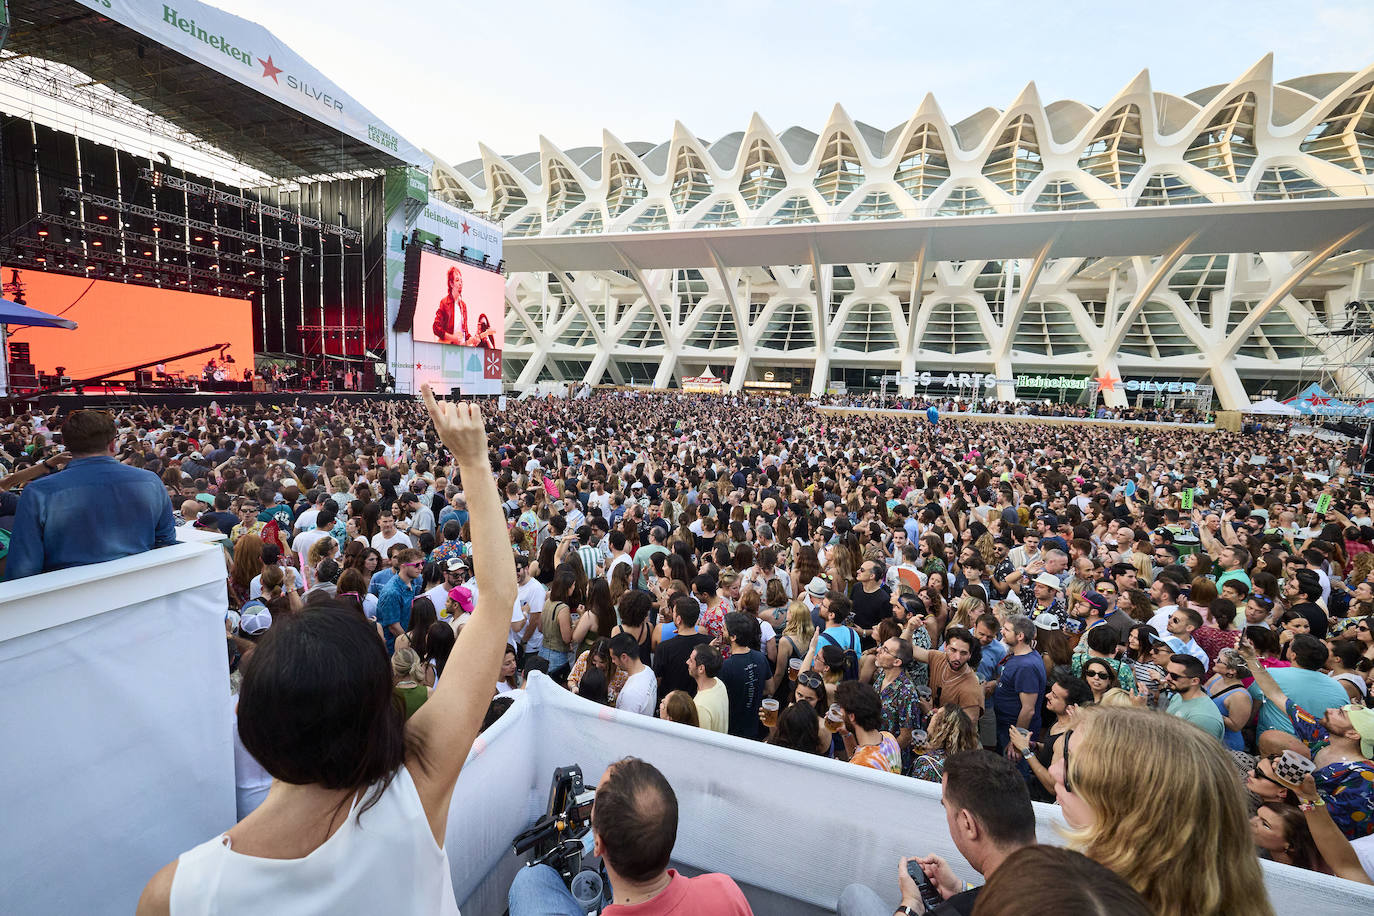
x,y
420,515
766,569
1182,623
640,693
619,556
712,699
1164,593
307,518
382,540
324,523
600,499
528,610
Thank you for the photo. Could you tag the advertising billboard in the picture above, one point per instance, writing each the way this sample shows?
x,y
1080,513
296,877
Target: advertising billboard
x,y
122,324
459,304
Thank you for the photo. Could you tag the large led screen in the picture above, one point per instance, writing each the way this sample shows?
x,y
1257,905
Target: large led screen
x,y
456,303
121,324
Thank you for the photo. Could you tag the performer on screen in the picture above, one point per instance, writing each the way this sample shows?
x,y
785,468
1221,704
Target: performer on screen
x,y
443,318
485,336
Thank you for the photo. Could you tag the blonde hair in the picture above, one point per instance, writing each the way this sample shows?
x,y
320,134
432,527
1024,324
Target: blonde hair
x,y
321,549
952,730
967,608
1211,869
1115,696
406,666
799,625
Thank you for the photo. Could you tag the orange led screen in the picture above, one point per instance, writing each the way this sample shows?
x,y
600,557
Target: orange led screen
x,y
120,325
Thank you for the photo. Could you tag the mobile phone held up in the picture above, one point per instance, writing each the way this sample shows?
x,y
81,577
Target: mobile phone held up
x,y
930,897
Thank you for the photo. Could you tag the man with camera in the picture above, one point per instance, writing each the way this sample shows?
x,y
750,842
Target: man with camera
x,y
989,816
634,826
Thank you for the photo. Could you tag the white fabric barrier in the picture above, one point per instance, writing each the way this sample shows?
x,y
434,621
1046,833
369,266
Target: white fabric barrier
x,y
738,809
113,738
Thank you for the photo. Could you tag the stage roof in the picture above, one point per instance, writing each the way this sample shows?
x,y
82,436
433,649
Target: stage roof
x,y
1291,225
233,83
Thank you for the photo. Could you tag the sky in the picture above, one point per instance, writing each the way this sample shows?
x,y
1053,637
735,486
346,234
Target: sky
x,y
448,76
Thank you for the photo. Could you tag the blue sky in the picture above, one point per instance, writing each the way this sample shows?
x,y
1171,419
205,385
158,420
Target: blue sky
x,y
448,76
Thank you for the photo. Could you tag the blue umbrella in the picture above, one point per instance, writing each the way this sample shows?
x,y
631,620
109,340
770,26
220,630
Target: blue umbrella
x,y
15,314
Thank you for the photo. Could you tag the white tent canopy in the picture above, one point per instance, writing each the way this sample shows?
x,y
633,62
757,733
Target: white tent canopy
x,y
1273,407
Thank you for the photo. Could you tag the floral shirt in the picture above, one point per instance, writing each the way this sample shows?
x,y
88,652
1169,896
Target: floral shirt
x,y
579,668
1347,787
886,755
901,708
930,766
447,551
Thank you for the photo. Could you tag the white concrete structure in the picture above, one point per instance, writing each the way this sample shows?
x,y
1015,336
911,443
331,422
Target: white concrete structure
x,y
595,294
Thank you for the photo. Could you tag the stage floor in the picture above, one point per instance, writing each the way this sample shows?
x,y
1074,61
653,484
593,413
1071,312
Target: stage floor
x,y
67,400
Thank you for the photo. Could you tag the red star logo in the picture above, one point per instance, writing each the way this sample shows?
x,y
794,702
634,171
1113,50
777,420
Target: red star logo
x,y
1319,401
270,69
1106,382
465,227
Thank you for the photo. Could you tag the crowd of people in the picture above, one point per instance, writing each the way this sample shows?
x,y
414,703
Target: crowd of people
x,y
1168,632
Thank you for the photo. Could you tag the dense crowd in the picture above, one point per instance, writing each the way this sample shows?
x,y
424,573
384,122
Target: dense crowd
x,y
1162,630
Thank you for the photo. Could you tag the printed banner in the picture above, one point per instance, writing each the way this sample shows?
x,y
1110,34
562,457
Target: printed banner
x,y
249,53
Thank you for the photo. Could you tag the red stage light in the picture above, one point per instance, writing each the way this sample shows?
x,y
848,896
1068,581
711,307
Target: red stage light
x,y
102,217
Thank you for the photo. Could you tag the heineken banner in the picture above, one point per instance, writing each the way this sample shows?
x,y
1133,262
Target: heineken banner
x,y
255,57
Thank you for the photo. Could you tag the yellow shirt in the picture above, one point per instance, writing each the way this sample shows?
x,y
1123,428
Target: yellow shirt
x,y
713,707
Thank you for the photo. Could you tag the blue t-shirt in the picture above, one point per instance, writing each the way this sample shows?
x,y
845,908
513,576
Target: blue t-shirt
x,y
993,653
1021,674
394,607
1311,690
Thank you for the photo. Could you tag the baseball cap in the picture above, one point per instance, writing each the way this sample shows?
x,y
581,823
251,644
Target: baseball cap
x,y
461,596
1362,720
1174,643
1048,579
255,623
1095,600
1046,621
637,485
455,564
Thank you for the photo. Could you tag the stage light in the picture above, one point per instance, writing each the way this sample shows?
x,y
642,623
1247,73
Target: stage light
x,y
42,232
157,228
97,243
138,276
42,260
147,254
286,257
102,217
200,238
250,273
250,251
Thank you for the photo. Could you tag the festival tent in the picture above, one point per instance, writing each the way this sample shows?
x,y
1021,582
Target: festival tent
x,y
1273,407
16,314
1314,400
12,313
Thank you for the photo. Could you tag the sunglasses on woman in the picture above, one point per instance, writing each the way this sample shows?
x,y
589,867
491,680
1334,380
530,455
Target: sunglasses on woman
x,y
1259,774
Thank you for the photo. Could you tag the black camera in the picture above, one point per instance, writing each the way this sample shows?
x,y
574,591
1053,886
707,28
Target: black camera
x,y
563,836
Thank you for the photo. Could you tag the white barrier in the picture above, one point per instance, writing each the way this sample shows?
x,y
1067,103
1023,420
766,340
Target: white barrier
x,y
738,808
113,737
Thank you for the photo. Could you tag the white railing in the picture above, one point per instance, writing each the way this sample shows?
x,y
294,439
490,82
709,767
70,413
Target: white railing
x,y
115,729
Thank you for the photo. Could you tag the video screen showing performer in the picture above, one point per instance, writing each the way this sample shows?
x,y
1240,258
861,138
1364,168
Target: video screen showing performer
x,y
468,304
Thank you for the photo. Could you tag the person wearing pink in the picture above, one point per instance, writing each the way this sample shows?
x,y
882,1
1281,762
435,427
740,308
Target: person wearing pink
x,y
634,825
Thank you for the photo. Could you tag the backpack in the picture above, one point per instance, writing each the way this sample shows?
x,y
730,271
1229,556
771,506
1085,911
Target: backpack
x,y
851,658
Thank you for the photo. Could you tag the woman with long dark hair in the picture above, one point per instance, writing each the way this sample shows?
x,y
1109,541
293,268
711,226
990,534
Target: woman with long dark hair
x,y
358,791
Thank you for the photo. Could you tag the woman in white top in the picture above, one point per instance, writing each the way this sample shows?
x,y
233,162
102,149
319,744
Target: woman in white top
x,y
357,792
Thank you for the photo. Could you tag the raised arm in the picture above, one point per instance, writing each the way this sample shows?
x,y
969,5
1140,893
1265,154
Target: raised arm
x,y
448,723
1334,848
1263,679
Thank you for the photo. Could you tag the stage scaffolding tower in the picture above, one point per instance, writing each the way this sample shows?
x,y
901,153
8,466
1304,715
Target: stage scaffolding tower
x,y
1342,360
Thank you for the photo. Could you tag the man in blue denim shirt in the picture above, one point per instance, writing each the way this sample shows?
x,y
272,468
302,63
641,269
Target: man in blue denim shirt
x,y
95,510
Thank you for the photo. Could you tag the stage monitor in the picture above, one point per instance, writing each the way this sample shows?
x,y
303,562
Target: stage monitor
x,y
459,304
123,324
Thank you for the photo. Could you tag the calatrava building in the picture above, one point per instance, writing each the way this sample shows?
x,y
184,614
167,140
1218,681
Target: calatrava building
x,y
1142,245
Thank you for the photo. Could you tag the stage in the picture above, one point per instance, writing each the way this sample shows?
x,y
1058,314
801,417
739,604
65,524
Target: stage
x,y
157,398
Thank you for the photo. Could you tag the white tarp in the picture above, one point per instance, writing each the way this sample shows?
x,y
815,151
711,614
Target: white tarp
x,y
249,53
732,813
1271,406
113,741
